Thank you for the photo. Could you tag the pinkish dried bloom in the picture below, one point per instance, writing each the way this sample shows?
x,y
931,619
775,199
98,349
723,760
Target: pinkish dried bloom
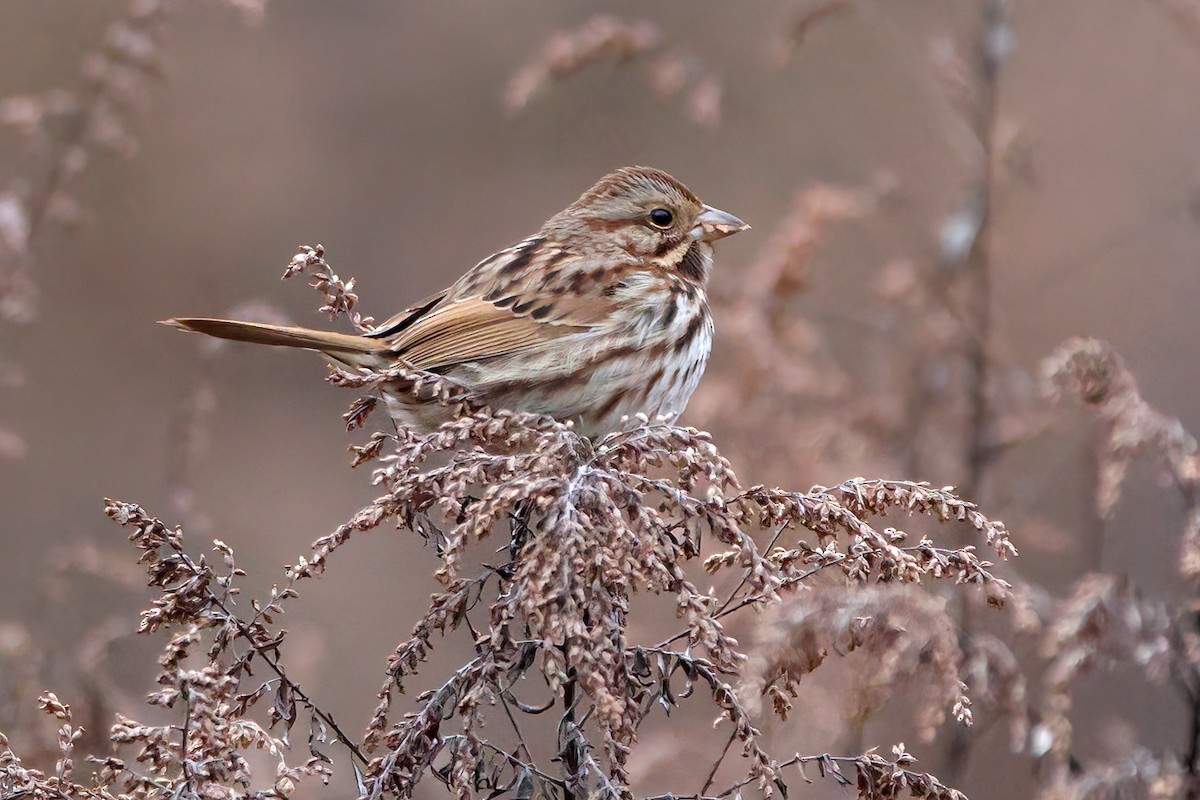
x,y
1094,372
604,38
568,52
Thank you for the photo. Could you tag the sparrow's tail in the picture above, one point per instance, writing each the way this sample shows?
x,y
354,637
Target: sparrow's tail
x,y
348,349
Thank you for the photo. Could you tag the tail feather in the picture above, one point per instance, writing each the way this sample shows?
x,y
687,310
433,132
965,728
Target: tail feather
x,y
336,345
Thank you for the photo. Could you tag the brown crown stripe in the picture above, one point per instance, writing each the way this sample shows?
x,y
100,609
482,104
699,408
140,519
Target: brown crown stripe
x,y
619,181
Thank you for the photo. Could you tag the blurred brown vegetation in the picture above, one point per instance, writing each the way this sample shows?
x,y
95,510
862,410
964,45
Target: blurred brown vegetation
x,y
941,196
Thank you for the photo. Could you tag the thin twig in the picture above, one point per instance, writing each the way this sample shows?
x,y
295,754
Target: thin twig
x,y
755,599
712,773
248,635
746,576
184,764
516,727
566,735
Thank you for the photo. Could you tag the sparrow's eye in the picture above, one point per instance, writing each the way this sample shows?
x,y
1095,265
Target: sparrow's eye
x,y
661,217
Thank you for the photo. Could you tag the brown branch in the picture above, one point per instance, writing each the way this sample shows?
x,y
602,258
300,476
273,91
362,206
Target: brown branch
x,y
264,653
712,773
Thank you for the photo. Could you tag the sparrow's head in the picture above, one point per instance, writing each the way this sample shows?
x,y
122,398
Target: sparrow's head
x,y
644,212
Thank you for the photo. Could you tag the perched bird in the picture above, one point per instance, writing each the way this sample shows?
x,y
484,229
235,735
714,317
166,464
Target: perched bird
x,y
600,315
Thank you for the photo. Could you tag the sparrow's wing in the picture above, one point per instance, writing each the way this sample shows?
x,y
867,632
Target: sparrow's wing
x,y
513,260
394,325
468,330
519,299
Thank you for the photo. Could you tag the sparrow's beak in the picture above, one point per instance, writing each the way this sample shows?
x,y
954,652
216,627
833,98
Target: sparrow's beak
x,y
713,224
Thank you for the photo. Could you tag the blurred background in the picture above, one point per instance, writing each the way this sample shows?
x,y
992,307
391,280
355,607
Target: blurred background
x,y
887,154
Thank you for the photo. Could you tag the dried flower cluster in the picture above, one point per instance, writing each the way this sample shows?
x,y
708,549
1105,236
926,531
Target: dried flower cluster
x,y
568,669
937,396
205,755
904,636
1109,623
781,366
338,295
670,72
1093,371
60,132
586,525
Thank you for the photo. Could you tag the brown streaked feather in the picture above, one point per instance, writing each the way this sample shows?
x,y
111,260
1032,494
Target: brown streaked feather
x,y
395,324
557,287
524,306
469,330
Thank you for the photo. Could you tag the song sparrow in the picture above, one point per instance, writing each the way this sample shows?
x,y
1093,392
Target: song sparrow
x,y
600,315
